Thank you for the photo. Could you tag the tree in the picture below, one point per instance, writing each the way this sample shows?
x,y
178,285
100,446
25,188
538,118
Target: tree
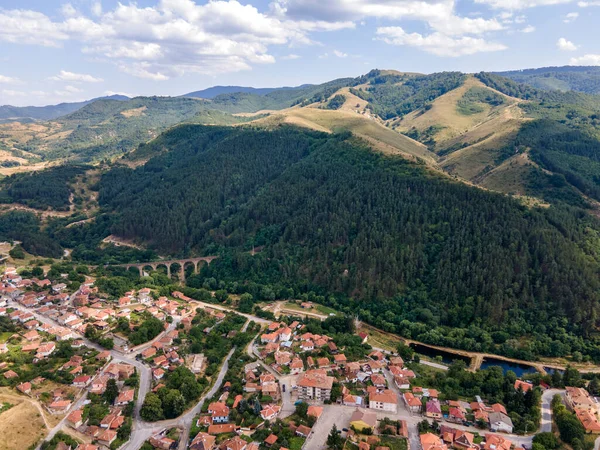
x,y
152,408
334,440
302,409
546,440
246,303
570,427
17,252
336,392
173,404
111,392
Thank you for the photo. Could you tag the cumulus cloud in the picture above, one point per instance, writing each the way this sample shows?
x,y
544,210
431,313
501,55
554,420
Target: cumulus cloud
x,y
340,54
77,77
571,17
438,43
174,37
586,60
9,80
528,29
588,4
12,93
290,56
520,4
67,91
565,45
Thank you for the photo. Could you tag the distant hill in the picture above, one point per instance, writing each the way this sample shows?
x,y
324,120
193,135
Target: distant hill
x,y
215,91
10,113
576,78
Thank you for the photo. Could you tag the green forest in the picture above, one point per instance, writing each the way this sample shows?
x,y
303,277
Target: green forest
x,y
408,251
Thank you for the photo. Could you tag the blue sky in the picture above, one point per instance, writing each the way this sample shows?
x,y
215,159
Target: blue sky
x,y
54,51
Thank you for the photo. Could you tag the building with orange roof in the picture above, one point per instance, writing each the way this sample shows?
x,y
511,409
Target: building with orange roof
x,y
384,401
430,441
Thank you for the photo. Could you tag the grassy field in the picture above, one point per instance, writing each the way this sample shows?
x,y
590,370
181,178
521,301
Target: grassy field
x,y
380,339
22,425
4,336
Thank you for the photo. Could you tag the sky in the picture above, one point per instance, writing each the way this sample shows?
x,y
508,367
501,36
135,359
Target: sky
x,y
65,51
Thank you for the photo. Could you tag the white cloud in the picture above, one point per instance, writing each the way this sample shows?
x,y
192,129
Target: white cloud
x,y
76,77
438,43
9,80
565,45
111,93
29,27
290,56
586,60
571,17
68,10
12,93
588,4
340,54
520,4
528,29
97,8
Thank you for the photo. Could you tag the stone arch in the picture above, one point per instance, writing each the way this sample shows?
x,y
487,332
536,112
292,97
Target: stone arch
x,y
176,269
164,268
201,264
134,269
147,269
189,268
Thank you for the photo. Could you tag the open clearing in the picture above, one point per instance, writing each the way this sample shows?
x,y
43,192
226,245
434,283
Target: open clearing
x,y
23,424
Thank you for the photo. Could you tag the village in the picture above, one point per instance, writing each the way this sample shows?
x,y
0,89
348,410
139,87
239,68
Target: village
x,y
206,377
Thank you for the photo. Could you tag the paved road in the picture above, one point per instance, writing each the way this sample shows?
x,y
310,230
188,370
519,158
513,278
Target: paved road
x,y
546,425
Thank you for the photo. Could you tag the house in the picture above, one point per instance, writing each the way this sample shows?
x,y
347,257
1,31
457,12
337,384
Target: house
x,y
270,440
314,411
413,404
269,412
99,384
59,406
523,385
456,415
384,401
81,381
396,361
9,374
495,442
107,437
430,441
307,346
125,397
75,418
219,412
497,407
222,428
362,419
433,409
45,349
340,359
588,420
500,422
86,447
303,431
235,443
296,366
203,441
25,388
579,398
378,381
352,400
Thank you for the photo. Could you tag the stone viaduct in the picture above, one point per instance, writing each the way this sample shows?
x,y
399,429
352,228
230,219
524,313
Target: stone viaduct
x,y
183,263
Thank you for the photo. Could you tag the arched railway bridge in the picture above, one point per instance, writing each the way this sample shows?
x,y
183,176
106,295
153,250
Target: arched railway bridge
x,y
184,263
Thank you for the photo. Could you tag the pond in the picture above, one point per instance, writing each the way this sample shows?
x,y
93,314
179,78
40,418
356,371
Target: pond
x,y
518,369
447,357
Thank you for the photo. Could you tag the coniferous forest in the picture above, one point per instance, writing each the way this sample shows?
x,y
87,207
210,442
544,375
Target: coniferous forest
x,y
408,250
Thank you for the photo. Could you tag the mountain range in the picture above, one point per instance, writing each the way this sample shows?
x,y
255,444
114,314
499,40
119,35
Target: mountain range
x,y
457,209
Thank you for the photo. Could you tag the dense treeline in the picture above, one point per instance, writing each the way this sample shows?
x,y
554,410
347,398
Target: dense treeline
x,y
25,227
389,100
582,79
49,188
409,252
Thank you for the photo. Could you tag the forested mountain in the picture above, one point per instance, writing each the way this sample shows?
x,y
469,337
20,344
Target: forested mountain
x,y
387,238
576,78
373,212
48,112
214,91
